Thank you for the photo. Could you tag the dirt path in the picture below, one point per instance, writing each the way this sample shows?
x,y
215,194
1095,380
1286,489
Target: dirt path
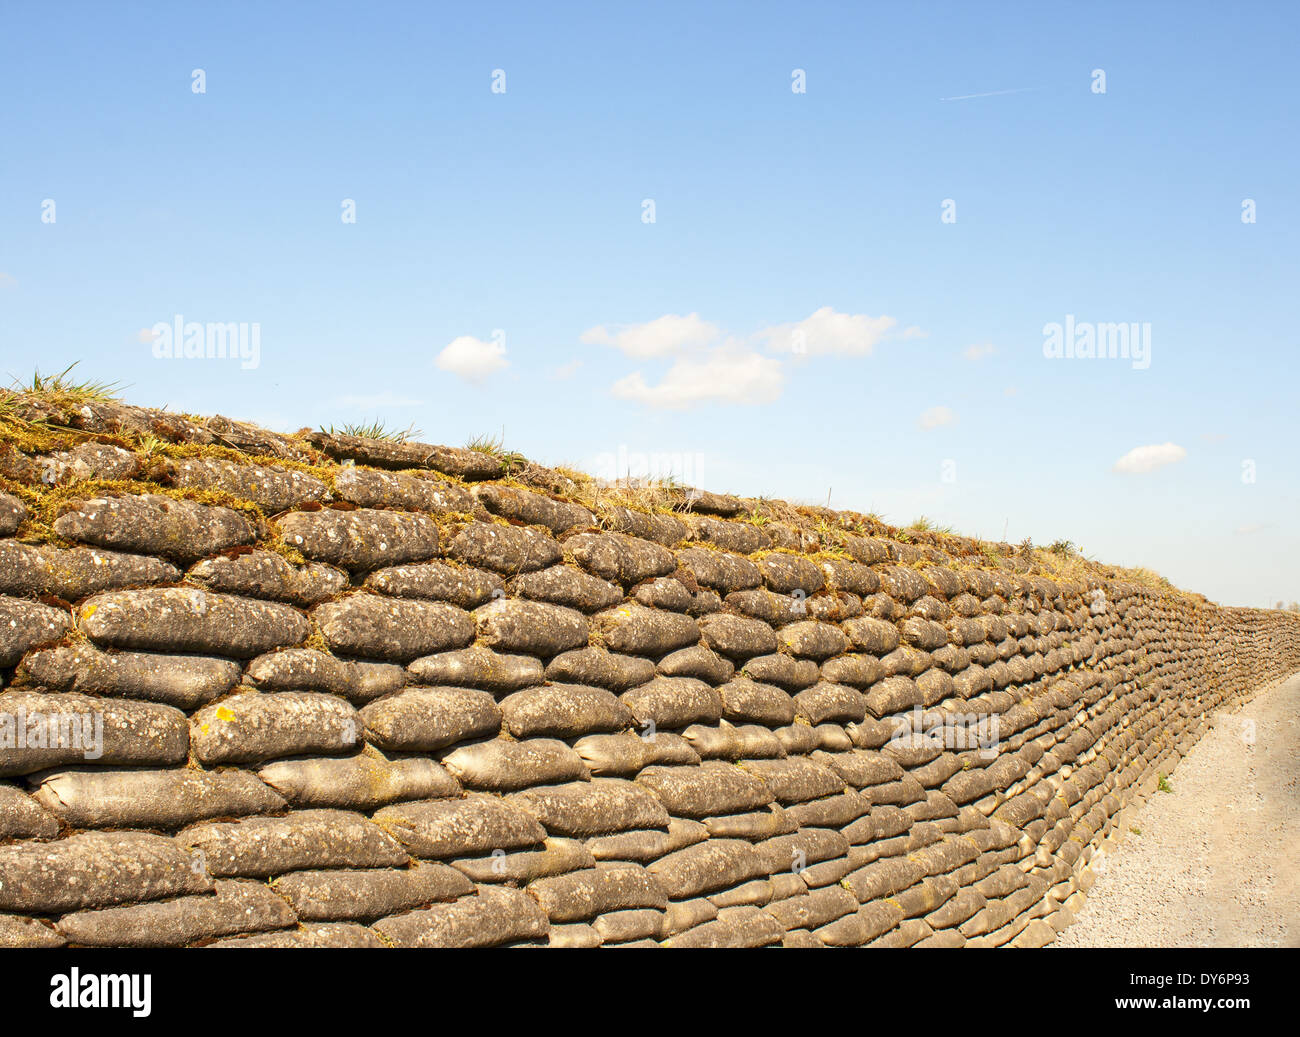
x,y
1217,862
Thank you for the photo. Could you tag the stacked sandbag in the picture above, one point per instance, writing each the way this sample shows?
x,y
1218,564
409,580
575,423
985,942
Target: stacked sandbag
x,y
327,691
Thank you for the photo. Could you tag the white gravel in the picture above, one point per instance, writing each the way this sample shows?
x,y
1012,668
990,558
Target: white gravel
x,y
1217,863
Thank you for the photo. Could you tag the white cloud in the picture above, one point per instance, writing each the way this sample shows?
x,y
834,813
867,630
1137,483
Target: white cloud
x,y
709,366
566,370
1148,458
721,377
937,416
1010,390
374,401
829,332
472,358
663,336
7,278
145,335
979,352
1253,527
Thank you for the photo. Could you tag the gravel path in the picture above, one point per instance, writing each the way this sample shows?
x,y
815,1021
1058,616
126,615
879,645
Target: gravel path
x,y
1217,859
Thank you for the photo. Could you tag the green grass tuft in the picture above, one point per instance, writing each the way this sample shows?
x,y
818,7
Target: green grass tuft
x,y
375,430
62,390
495,446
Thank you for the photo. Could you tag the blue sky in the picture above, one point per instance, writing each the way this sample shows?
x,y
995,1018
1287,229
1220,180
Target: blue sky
x,y
501,273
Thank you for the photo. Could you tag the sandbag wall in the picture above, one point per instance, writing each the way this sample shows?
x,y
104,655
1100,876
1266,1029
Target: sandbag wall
x,y
394,698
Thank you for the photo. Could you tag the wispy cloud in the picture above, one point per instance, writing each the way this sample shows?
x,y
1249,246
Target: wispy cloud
x,y
663,336
978,352
710,366
1143,459
1252,527
472,358
566,370
990,93
828,332
721,377
936,417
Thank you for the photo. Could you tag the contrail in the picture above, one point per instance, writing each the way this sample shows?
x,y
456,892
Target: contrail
x,y
991,93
